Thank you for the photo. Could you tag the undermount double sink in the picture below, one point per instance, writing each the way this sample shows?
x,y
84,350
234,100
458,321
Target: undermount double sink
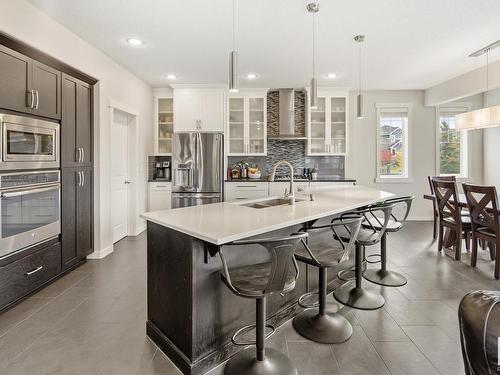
x,y
273,202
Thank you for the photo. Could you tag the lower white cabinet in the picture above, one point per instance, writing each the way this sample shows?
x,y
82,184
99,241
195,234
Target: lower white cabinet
x,y
236,191
159,196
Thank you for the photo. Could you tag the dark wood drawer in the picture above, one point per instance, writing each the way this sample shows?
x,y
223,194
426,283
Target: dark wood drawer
x,y
27,274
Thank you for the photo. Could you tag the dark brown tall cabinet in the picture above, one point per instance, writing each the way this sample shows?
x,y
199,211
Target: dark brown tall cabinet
x,y
77,176
76,228
37,85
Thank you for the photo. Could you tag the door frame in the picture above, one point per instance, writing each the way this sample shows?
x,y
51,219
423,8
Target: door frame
x,y
133,224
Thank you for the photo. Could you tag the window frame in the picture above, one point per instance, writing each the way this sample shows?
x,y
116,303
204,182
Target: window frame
x,y
407,176
464,140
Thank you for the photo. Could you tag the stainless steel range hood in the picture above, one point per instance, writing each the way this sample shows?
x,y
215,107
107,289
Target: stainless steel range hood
x,y
287,116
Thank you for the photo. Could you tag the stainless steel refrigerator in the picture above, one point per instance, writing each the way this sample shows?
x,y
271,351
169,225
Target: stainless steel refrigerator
x,y
197,169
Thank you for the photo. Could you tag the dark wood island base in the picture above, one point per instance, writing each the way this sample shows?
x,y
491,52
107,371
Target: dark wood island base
x,y
191,314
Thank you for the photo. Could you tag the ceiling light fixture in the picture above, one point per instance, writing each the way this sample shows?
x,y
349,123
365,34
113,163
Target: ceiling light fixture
x,y
486,117
331,75
234,83
135,41
313,8
171,76
359,110
251,76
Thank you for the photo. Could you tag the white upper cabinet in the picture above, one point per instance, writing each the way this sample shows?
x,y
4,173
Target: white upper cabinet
x,y
199,109
247,124
327,125
164,123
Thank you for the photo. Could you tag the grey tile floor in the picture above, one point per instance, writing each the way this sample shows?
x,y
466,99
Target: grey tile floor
x,y
92,320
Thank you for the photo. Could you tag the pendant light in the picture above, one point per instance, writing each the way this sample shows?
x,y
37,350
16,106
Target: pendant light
x,y
234,83
313,8
486,117
359,111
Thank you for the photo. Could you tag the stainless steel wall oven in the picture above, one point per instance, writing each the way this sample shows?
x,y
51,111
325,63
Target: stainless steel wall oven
x,y
30,209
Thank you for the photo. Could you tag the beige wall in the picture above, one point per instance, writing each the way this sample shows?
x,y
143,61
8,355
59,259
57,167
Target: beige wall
x,y
468,84
25,22
361,163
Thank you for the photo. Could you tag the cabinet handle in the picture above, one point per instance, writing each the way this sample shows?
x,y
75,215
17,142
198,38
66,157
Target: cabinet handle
x,y
30,98
37,99
34,271
77,154
79,182
83,178
83,154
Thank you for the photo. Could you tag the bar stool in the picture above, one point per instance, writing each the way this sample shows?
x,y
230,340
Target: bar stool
x,y
383,276
257,281
352,293
315,323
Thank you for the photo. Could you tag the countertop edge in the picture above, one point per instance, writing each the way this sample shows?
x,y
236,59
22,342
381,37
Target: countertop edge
x,y
255,232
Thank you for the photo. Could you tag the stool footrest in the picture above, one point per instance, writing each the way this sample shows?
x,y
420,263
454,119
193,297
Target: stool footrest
x,y
305,295
374,256
246,343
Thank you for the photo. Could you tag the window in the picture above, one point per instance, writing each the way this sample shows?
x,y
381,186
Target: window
x,y
451,144
393,148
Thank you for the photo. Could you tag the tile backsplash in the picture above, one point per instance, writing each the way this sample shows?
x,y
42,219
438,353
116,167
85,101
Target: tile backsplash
x,y
292,150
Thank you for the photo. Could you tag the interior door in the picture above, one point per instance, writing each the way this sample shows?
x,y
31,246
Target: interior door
x,y
14,79
119,175
47,84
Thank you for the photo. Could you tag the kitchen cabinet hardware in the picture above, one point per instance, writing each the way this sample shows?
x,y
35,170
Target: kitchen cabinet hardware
x,y
39,268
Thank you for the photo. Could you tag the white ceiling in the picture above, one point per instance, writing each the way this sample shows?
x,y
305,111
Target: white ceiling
x,y
411,44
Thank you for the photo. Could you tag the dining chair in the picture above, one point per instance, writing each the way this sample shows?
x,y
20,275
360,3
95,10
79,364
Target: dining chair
x,y
450,215
482,202
434,205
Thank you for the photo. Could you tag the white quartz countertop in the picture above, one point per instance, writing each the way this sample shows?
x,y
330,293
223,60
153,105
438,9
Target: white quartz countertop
x,y
220,223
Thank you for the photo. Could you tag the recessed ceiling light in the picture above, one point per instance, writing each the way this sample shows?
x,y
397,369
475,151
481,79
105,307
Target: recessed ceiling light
x,y
135,41
332,75
251,76
171,76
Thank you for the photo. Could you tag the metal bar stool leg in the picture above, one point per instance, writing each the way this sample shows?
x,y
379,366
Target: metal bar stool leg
x,y
318,325
383,276
262,361
352,294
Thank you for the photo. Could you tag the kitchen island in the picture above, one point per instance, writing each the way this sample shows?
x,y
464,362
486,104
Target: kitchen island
x,y
191,313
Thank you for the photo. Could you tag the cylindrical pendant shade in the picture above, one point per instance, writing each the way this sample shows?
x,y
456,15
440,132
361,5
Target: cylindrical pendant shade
x,y
234,83
359,109
314,94
481,118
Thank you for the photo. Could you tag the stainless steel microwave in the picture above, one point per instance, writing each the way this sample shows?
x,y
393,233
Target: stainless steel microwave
x,y
28,143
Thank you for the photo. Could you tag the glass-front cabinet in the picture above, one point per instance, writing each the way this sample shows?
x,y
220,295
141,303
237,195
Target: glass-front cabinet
x,y
164,125
247,122
328,125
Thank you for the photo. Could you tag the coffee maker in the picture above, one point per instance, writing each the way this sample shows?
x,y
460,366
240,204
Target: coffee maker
x,y
159,173
166,170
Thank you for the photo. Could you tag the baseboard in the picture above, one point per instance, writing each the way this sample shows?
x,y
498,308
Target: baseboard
x,y
139,230
419,218
99,254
